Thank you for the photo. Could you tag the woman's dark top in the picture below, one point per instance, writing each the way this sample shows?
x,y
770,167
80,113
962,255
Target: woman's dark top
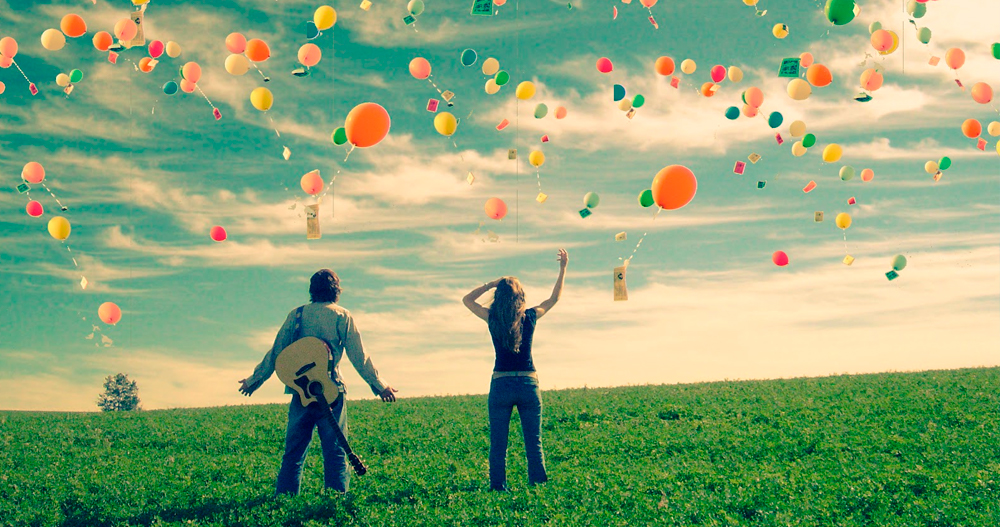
x,y
507,360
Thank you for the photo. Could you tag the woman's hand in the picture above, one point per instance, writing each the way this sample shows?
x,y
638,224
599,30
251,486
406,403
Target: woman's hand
x,y
563,258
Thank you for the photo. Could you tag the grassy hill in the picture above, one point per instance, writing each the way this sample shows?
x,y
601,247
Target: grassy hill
x,y
895,449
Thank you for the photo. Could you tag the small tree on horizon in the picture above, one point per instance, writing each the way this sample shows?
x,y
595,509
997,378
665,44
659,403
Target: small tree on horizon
x,y
120,394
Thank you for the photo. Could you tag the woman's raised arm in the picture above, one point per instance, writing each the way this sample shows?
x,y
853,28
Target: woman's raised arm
x,y
545,306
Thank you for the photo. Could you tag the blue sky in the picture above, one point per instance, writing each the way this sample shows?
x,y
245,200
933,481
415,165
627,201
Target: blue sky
x,y
145,176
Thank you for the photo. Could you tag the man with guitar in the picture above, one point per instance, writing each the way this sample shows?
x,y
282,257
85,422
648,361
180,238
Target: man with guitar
x,y
306,355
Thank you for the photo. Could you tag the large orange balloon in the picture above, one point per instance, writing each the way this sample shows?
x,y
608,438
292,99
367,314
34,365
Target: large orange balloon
x,y
674,186
819,75
103,40
367,124
496,208
73,25
257,50
954,58
664,65
972,128
109,313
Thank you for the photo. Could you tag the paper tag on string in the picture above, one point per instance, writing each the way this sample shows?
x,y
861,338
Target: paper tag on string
x,y
112,57
33,89
447,95
621,291
512,153
789,68
217,114
892,275
541,197
432,105
286,153
470,178
585,212
818,216
482,7
408,19
22,188
960,84
981,144
312,222
503,124
934,61
778,138
754,158
852,201
739,168
366,5
139,39
760,184
652,21
83,282
809,188
620,237
848,260
675,82
631,113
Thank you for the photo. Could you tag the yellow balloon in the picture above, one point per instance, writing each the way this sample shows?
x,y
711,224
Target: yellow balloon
x,y
735,74
536,158
525,90
931,167
832,153
625,104
492,86
798,129
688,66
750,2
799,89
324,17
62,80
445,123
994,128
261,99
237,64
780,31
59,228
139,2
998,148
173,49
895,44
53,39
843,220
798,150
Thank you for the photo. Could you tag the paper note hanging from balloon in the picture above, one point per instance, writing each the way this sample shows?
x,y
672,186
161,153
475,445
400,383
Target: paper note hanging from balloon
x,y
818,216
312,222
621,236
541,197
512,153
789,68
432,105
848,260
470,178
621,291
754,158
482,7
808,188
739,168
139,39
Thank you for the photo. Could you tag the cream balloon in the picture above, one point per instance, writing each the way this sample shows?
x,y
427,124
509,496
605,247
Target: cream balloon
x,y
62,80
492,86
53,39
931,167
735,74
625,104
237,64
994,128
797,129
491,66
799,89
173,49
798,150
688,66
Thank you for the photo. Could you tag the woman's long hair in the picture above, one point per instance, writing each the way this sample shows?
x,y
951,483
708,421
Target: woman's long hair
x,y
506,313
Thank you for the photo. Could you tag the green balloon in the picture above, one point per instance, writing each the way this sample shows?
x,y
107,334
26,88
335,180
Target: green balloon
x,y
809,140
924,34
502,78
846,173
898,262
840,12
732,113
591,200
744,96
874,26
775,119
75,76
638,101
646,198
339,136
995,48
541,110
916,9
944,163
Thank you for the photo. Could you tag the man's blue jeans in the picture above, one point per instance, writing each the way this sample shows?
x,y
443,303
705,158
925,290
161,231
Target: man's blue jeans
x,y
505,394
301,421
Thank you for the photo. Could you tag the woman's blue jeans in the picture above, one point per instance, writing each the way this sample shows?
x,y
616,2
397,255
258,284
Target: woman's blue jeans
x,y
301,421
505,394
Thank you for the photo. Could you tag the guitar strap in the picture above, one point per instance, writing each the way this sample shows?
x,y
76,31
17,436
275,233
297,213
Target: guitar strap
x,y
297,334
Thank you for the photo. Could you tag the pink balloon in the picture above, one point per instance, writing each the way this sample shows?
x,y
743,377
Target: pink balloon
x,y
155,49
806,59
604,65
754,97
312,183
648,3
561,112
499,2
871,80
5,61
109,313
420,68
217,233
749,111
3,87
236,43
8,47
187,86
881,40
34,209
125,29
309,54
33,172
192,72
954,58
867,175
779,258
982,93
718,73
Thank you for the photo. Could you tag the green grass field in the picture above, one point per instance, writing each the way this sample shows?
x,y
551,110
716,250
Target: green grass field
x,y
898,449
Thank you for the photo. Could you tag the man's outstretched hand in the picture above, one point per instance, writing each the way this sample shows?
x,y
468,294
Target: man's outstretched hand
x,y
244,389
387,394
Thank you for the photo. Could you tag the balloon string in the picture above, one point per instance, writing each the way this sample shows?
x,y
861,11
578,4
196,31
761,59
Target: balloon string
x,y
71,257
265,77
61,206
22,71
353,146
845,242
209,100
643,237
539,178
275,126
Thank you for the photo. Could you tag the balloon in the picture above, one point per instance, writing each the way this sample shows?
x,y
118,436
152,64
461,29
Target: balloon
x,y
638,101
924,35
775,119
415,7
799,89
156,49
561,112
496,208
125,29
995,50
954,58
881,40
867,175
367,124
324,17
312,183
445,123
311,30
625,104
779,31
874,26
982,93
310,54
843,220
109,313
944,163
779,258
664,66
798,150
236,43
257,50
809,140
492,86
191,71
525,90
187,86
173,49
732,113
735,74
420,68
491,66
832,153
262,99
469,57
53,39
499,2
688,66
806,59
840,12
916,9
618,92
339,136
797,129
718,73
750,2
846,173
819,75
217,233
502,78
931,167
749,111
898,262
541,111
146,64
871,80
646,198
33,172
754,97
994,128
34,209
971,128
5,62
895,44
237,64
62,80
674,186
604,65
536,158
8,47
59,228
73,25
102,40
648,3
591,200
170,88
707,89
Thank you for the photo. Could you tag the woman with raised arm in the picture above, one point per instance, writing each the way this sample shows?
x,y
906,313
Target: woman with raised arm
x,y
515,382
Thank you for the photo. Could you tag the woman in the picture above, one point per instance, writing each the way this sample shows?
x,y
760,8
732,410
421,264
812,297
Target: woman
x,y
515,382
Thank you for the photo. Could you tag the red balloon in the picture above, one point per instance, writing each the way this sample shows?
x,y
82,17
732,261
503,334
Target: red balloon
x,y
218,233
367,124
34,209
604,65
674,186
718,73
779,258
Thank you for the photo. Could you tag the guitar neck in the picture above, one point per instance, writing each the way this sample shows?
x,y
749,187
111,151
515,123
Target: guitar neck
x,y
358,465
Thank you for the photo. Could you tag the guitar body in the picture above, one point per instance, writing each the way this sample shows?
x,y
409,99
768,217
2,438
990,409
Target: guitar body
x,y
304,367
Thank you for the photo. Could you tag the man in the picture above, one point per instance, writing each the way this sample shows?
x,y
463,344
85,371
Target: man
x,y
323,319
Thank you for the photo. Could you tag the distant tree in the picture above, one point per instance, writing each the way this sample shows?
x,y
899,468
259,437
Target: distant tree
x,y
120,394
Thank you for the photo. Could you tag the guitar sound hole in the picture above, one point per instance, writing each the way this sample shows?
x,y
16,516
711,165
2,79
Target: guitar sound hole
x,y
316,388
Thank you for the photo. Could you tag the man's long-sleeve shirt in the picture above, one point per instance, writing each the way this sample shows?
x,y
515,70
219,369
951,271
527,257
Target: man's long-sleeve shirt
x,y
333,324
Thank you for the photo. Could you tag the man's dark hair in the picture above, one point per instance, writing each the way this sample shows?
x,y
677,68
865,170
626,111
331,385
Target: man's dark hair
x,y
324,286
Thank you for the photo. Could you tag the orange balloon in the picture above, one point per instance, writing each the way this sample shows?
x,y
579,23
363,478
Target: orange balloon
x,y
109,313
954,58
664,65
749,111
982,93
146,64
819,75
674,186
496,208
972,128
125,29
871,80
706,89
103,40
367,124
73,25
754,97
257,50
